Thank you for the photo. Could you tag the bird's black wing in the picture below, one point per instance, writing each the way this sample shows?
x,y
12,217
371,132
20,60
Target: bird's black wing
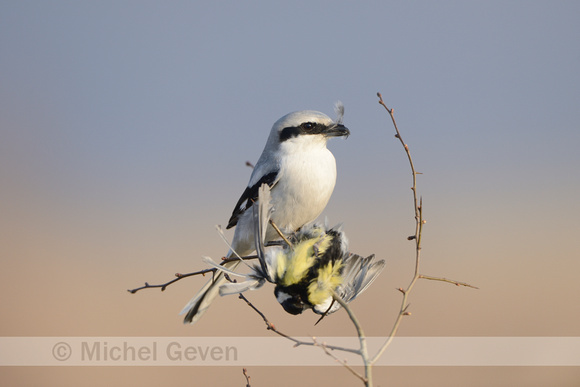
x,y
249,196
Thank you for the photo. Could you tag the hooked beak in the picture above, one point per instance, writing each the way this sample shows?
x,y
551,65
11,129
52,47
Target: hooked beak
x,y
338,130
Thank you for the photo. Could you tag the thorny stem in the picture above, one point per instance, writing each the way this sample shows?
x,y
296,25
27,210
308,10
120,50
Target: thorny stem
x,y
418,208
364,353
415,173
245,372
297,343
182,276
280,233
341,362
456,283
419,222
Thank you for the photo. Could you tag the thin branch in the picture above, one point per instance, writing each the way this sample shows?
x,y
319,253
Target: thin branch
x,y
297,343
457,283
245,372
402,313
280,233
398,135
368,379
419,222
418,209
182,276
341,362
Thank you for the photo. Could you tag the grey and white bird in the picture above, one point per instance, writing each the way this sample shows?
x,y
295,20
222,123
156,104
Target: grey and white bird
x,y
301,172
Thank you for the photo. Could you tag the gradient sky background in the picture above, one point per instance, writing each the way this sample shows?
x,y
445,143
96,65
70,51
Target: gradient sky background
x,y
125,126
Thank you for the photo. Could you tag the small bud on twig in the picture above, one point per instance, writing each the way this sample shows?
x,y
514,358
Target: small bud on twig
x,y
248,378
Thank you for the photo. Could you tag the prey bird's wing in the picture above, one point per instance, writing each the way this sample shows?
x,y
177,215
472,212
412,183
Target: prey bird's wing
x,y
250,195
241,287
359,274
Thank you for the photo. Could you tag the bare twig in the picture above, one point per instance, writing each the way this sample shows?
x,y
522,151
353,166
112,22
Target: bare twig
x,y
341,362
245,372
419,222
418,209
297,343
368,379
415,173
325,347
280,232
182,276
166,284
457,283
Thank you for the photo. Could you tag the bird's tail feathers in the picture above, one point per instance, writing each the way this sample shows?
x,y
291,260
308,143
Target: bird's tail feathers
x,y
203,299
219,284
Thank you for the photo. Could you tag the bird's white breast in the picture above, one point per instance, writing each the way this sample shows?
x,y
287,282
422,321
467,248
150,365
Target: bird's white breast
x,y
307,179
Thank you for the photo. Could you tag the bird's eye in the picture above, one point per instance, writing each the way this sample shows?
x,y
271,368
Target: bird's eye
x,y
308,126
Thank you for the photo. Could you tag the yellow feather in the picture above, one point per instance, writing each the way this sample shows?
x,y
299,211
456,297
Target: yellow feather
x,y
281,260
302,258
328,279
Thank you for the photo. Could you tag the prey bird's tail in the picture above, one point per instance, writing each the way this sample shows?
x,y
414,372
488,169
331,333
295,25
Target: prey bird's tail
x,y
260,216
203,299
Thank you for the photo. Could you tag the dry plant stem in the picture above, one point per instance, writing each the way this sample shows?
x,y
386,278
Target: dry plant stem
x,y
297,343
280,233
245,372
182,276
404,304
415,173
418,204
341,362
417,238
364,354
456,283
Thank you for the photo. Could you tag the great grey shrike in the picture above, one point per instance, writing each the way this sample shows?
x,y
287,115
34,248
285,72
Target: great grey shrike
x,y
301,173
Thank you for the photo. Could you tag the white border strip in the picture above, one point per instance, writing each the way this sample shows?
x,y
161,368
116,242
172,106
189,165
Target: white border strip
x,y
277,351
